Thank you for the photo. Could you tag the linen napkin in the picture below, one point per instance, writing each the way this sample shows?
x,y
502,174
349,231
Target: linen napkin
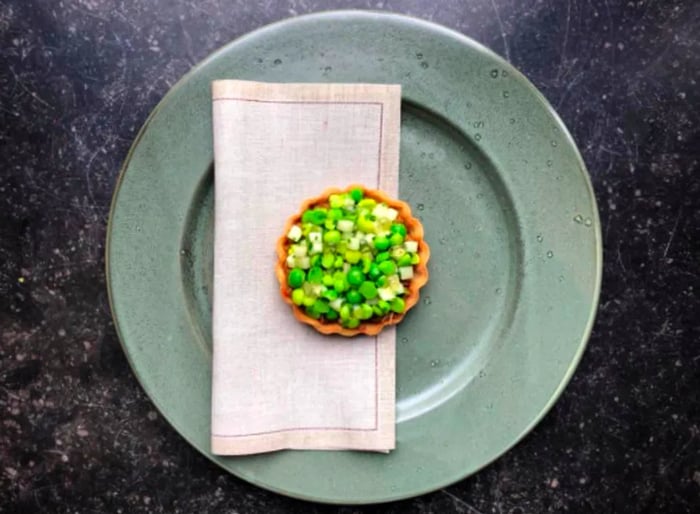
x,y
277,383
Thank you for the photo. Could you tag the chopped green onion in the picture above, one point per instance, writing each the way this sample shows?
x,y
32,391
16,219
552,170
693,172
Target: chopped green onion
x,y
411,246
294,233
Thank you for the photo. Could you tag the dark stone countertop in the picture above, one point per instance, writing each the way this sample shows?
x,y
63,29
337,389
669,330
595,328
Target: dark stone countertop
x,y
79,77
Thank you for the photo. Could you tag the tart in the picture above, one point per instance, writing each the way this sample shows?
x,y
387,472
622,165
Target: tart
x,y
352,261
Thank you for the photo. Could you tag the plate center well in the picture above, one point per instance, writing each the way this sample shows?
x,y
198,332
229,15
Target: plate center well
x,y
470,225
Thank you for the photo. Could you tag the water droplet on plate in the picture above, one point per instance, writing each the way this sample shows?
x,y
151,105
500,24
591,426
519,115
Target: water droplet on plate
x,y
494,74
434,364
499,291
424,65
477,137
419,55
404,339
578,218
427,300
442,240
277,62
550,254
561,278
480,195
553,142
549,164
328,69
588,222
468,165
512,121
540,238
504,73
420,206
506,94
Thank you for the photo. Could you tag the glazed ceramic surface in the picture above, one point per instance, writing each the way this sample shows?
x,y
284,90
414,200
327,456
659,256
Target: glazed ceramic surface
x,y
508,212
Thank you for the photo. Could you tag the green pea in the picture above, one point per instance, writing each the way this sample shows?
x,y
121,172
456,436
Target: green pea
x,y
316,260
318,216
415,259
331,315
386,267
321,306
309,301
377,310
298,296
329,224
404,260
335,214
398,305
398,228
357,194
355,276
396,239
339,261
381,257
336,201
381,281
327,280
340,285
330,294
345,311
315,275
307,216
312,313
365,311
374,272
384,306
331,237
381,243
352,323
295,278
353,297
368,290
367,203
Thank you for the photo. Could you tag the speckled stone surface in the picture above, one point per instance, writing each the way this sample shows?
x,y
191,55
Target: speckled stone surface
x,y
79,77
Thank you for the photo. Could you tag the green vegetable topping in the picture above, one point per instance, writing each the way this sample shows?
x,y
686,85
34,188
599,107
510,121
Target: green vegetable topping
x,y
350,260
295,278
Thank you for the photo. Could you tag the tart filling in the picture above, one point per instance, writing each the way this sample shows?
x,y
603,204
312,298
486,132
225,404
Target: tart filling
x,y
353,260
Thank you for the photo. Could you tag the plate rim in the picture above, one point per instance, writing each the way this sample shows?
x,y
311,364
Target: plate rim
x,y
353,15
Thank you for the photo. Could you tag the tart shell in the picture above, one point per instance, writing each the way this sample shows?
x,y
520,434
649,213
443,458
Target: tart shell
x,y
414,231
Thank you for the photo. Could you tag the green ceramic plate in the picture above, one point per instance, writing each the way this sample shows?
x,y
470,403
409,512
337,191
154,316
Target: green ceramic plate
x,y
509,214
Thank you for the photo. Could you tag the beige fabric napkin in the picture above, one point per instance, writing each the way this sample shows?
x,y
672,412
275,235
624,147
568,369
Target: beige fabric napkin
x,y
276,382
